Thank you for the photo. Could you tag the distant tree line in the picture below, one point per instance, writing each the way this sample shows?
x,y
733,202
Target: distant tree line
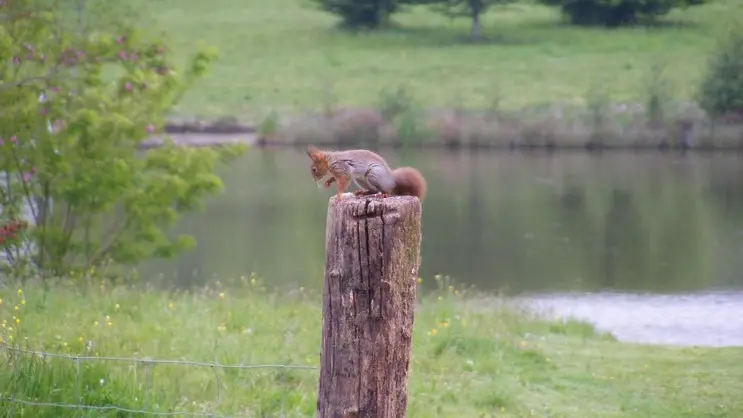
x,y
372,14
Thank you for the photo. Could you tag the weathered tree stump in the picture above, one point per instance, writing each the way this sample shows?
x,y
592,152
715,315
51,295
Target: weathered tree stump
x,y
372,257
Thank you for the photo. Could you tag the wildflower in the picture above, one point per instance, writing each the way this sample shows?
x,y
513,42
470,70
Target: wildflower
x,y
150,129
252,280
110,324
441,298
81,339
1,301
16,308
18,320
64,344
117,307
420,280
221,295
95,324
20,291
444,324
221,328
108,318
171,305
433,332
23,301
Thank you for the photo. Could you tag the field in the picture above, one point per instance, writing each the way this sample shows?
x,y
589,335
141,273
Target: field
x,y
287,55
473,356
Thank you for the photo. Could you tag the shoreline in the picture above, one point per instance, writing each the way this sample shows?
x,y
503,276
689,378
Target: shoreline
x,y
451,129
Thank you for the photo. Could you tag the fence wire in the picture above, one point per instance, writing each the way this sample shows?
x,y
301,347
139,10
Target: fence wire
x,y
148,364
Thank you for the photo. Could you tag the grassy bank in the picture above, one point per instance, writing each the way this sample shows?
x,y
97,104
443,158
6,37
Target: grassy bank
x,y
472,356
533,82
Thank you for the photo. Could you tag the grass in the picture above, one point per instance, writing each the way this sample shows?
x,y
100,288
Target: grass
x,y
473,356
286,54
286,66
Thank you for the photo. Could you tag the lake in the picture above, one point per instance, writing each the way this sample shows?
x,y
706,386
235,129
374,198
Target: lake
x,y
572,230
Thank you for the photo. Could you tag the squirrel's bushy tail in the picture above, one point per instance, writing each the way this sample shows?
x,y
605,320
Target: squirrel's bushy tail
x,y
409,182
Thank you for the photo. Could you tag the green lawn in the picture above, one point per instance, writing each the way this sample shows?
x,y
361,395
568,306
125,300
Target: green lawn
x,y
471,357
283,54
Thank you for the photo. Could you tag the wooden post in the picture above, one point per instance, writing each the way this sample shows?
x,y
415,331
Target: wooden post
x,y
372,250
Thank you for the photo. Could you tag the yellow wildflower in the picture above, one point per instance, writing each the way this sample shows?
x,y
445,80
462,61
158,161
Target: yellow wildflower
x,y
433,332
221,295
171,305
117,307
23,301
1,301
20,292
18,320
16,308
110,324
95,324
420,280
221,328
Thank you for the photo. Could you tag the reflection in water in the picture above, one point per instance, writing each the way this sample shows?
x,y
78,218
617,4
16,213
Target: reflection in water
x,y
496,220
702,319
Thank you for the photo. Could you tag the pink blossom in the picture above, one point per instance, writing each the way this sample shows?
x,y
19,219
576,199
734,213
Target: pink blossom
x,y
13,139
122,54
150,129
26,177
16,60
2,142
128,86
44,111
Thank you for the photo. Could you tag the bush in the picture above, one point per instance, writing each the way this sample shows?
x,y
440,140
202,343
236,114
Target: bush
x,y
616,12
361,13
721,88
76,192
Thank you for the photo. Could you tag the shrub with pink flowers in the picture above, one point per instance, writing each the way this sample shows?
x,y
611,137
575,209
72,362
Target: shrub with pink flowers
x,y
74,184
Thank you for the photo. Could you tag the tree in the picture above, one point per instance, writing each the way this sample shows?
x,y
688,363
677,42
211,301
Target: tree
x,y
473,9
721,88
75,104
616,12
369,14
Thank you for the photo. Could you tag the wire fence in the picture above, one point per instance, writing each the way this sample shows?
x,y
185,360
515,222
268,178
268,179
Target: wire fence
x,y
14,357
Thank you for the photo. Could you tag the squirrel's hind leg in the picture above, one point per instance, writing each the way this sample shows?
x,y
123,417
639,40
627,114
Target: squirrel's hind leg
x,y
380,183
365,188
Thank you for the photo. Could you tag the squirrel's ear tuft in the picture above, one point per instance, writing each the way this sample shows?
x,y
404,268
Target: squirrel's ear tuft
x,y
313,151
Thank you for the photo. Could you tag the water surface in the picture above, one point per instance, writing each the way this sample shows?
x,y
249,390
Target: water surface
x,y
655,231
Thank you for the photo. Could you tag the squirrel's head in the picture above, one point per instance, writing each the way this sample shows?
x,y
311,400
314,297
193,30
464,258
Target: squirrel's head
x,y
319,168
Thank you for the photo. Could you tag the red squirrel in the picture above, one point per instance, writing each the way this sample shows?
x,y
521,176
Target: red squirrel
x,y
368,170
